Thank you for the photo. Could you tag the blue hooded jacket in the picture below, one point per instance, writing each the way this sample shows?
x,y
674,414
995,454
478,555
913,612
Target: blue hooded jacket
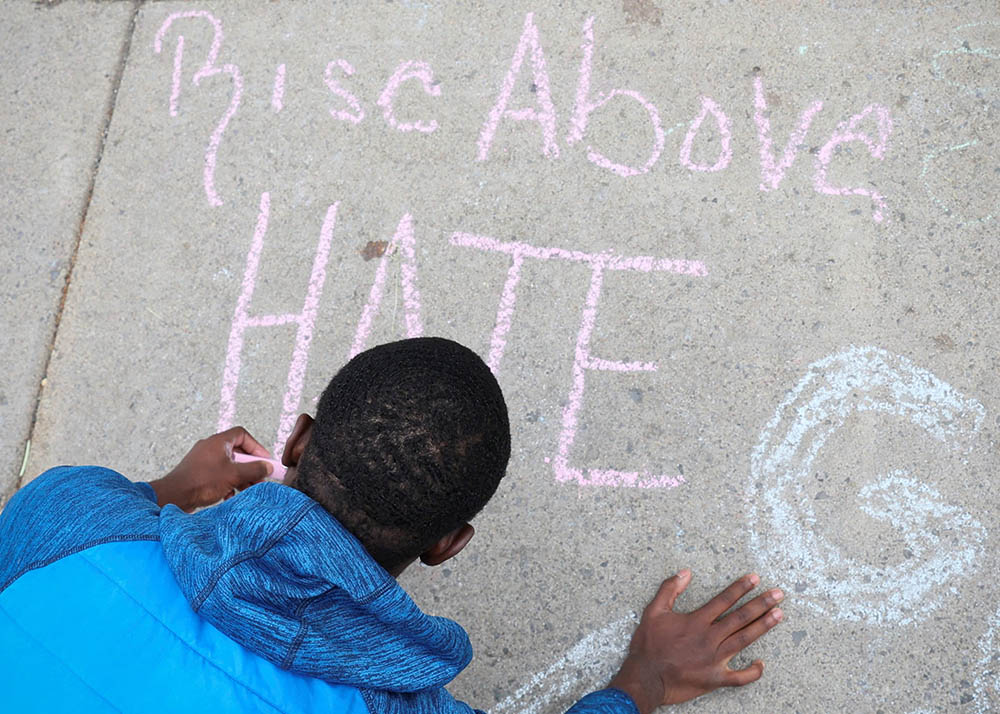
x,y
264,603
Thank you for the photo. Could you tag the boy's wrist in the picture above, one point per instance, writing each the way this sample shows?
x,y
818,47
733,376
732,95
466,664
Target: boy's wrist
x,y
642,684
167,492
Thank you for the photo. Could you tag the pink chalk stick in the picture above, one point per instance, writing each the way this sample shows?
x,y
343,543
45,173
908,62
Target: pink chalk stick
x,y
279,468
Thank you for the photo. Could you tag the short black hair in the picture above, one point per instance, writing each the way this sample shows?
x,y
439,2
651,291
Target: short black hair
x,y
410,440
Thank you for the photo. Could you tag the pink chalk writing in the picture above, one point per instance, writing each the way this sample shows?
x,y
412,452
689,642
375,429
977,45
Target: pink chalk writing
x,y
545,115
306,320
708,106
404,240
847,131
585,106
583,359
175,85
358,114
208,69
279,88
542,111
771,173
405,71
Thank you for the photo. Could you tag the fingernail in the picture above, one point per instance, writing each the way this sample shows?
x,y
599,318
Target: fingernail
x,y
777,596
754,579
777,615
683,573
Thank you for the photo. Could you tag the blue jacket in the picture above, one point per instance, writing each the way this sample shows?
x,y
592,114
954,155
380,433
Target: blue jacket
x,y
264,603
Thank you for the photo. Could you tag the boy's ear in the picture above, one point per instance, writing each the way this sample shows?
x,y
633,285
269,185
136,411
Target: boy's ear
x,y
448,546
297,440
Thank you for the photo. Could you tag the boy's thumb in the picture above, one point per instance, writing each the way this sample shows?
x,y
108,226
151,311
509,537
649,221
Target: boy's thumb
x,y
252,472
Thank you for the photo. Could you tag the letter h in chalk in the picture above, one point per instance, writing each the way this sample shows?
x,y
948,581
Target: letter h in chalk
x,y
583,360
306,320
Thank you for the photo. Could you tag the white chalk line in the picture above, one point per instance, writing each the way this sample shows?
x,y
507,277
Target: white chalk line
x,y
862,379
964,48
987,684
582,669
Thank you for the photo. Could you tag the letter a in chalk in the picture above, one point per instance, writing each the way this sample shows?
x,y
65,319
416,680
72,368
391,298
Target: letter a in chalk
x,y
405,241
545,115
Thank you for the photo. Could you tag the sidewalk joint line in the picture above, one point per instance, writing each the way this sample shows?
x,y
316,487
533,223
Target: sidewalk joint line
x,y
88,196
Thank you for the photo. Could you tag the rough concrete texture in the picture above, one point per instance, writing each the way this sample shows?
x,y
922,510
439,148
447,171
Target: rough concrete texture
x,y
813,395
58,66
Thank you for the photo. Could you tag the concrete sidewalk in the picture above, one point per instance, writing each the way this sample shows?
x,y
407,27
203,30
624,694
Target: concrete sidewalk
x,y
735,268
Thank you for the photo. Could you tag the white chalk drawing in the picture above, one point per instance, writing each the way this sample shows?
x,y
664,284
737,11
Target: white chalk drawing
x,y
987,684
964,48
585,665
987,87
944,541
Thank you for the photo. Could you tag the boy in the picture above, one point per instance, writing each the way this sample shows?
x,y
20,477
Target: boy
x,y
114,597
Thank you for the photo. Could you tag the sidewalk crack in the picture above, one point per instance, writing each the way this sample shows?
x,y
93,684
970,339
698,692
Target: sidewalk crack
x,y
87,198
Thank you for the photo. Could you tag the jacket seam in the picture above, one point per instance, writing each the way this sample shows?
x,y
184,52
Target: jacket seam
x,y
293,649
76,549
369,698
377,592
240,557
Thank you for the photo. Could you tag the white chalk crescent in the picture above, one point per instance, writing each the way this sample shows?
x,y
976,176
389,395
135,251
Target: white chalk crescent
x,y
943,540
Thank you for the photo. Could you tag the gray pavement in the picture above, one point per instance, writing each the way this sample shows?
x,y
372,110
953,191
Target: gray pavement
x,y
743,308
59,66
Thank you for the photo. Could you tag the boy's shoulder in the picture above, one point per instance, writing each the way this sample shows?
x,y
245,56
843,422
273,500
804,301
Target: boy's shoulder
x,y
70,508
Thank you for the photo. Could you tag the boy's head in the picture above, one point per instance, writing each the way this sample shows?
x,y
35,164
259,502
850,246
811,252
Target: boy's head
x,y
409,442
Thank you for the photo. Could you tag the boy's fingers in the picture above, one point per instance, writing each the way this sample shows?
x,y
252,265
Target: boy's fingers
x,y
241,440
741,677
714,608
749,612
749,634
252,472
669,591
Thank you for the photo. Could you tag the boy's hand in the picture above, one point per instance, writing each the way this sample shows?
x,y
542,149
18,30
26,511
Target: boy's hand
x,y
674,657
208,473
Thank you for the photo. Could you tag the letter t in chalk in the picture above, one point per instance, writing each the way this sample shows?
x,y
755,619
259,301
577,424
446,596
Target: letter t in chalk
x,y
279,469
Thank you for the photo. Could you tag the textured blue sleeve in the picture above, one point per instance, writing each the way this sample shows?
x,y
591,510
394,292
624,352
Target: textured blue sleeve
x,y
70,508
439,701
428,701
146,489
605,701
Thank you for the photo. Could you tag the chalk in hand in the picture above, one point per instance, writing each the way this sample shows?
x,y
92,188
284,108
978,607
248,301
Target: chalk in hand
x,y
279,469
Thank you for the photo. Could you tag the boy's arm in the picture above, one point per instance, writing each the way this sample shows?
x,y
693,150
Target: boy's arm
x,y
208,473
674,657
